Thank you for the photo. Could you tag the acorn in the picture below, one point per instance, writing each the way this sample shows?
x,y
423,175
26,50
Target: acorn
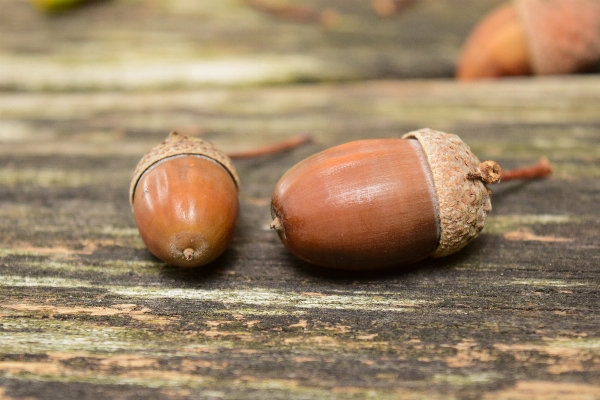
x,y
541,37
184,197
56,6
378,203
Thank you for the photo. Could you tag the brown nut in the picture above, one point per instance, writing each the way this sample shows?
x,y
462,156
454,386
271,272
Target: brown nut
x,y
384,202
542,37
184,197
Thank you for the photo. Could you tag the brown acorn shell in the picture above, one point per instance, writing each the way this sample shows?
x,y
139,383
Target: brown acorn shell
x,y
177,144
463,202
361,205
563,35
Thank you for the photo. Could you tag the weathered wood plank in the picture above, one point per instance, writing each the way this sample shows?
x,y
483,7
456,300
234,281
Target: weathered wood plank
x,y
85,309
87,312
183,43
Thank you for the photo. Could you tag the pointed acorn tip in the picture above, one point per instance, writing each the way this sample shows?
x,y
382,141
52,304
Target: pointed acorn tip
x,y
188,254
276,224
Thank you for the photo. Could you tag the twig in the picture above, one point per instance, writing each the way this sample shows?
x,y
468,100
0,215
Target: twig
x,y
285,145
388,8
541,169
327,18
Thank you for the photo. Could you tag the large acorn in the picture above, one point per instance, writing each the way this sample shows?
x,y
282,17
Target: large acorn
x,y
184,196
384,202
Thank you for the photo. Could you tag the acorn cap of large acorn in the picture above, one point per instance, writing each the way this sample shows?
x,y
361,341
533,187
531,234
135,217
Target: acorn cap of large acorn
x,y
175,145
563,35
459,180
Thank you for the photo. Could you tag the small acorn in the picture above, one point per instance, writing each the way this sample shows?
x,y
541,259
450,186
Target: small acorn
x,y
541,37
378,203
184,197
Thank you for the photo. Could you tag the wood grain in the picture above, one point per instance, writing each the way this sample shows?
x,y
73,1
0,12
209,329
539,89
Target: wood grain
x,y
87,312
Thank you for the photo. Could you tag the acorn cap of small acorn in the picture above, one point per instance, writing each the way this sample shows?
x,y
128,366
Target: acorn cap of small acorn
x,y
563,35
177,144
459,180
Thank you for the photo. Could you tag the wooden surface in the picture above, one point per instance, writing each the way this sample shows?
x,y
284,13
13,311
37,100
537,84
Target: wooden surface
x,y
87,312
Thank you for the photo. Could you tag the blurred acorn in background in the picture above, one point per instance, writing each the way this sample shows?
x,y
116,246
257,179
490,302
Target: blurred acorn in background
x,y
541,37
58,6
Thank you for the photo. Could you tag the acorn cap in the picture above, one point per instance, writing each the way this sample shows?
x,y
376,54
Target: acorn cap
x,y
175,145
563,35
458,179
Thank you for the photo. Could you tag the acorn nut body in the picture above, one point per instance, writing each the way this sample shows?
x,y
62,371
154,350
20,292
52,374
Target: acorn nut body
x,y
385,202
184,196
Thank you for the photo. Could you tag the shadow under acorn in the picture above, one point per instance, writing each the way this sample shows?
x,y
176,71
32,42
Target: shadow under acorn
x,y
191,276
397,272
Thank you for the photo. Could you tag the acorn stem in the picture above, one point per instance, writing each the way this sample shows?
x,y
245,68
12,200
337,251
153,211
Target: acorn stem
x,y
541,169
280,147
490,172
